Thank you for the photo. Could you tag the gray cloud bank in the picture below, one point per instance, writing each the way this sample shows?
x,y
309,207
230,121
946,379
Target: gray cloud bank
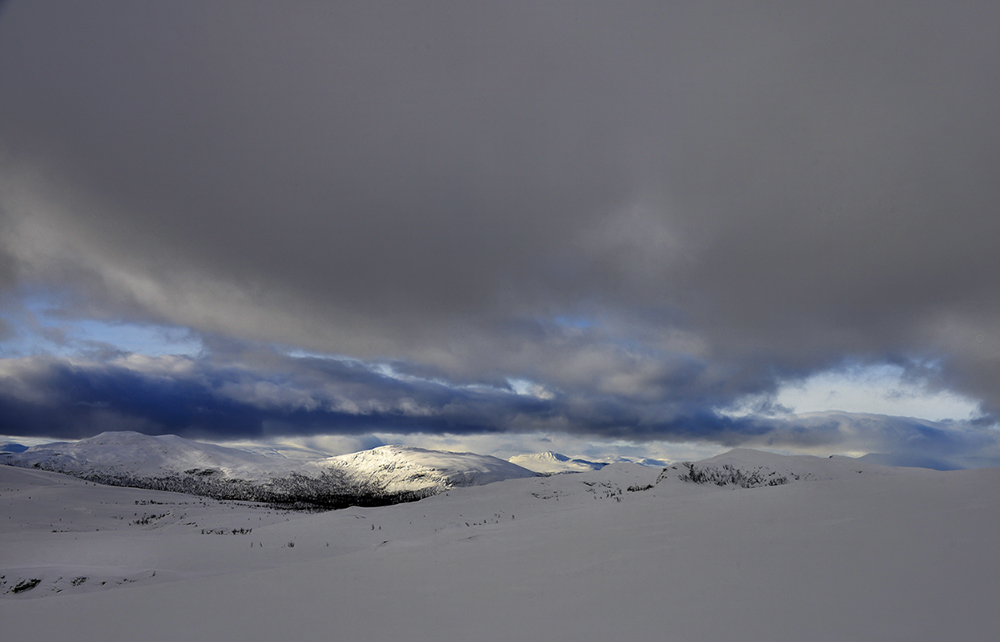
x,y
664,206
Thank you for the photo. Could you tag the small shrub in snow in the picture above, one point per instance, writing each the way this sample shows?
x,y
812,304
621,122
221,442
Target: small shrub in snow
x,y
25,585
727,474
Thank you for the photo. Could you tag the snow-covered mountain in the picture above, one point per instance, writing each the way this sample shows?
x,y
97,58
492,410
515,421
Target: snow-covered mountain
x,y
552,463
133,453
387,474
407,469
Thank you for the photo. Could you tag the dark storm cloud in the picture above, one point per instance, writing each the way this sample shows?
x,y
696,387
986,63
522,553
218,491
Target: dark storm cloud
x,y
723,196
54,398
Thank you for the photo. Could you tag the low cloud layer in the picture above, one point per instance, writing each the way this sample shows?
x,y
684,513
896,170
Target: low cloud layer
x,y
650,211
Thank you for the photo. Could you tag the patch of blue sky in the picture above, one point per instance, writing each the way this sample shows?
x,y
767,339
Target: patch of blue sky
x,y
577,322
21,344
82,337
152,340
40,329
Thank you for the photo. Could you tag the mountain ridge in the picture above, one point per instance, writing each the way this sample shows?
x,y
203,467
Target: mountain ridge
x,y
383,475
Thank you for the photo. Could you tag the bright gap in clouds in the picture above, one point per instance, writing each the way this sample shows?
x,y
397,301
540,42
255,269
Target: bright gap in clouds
x,y
529,388
516,385
882,390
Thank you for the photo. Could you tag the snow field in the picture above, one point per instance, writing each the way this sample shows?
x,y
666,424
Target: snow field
x,y
881,554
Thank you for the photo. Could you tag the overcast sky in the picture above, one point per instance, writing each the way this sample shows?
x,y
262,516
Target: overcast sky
x,y
638,224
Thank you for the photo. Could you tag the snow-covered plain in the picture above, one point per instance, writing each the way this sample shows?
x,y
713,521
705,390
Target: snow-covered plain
x,y
843,550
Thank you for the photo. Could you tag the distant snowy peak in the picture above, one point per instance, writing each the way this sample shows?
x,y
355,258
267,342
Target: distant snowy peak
x,y
144,455
642,461
403,468
552,463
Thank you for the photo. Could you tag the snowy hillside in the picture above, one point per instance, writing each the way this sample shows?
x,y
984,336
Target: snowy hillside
x,y
751,468
406,469
844,550
384,475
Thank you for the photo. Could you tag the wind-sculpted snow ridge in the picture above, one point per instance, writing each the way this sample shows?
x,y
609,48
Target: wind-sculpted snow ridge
x,y
386,475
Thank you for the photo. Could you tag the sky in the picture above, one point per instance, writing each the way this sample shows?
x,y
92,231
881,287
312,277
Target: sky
x,y
636,228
